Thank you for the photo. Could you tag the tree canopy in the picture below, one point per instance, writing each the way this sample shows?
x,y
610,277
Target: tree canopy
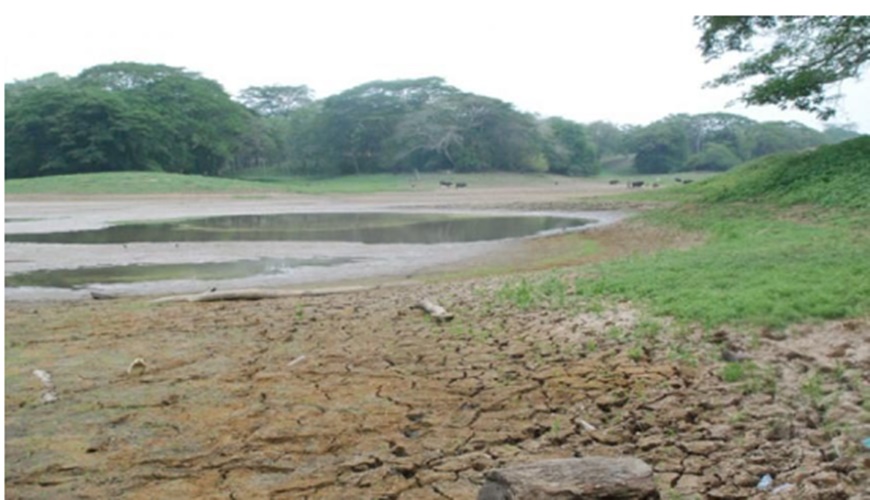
x,y
798,58
131,116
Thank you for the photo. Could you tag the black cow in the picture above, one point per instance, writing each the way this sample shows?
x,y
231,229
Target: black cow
x,y
614,181
687,181
461,185
446,183
635,184
678,179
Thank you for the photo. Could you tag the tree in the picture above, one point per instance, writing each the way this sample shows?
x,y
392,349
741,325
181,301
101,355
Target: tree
x,y
122,116
660,147
357,125
807,56
64,129
842,132
609,139
716,157
568,149
778,137
130,75
16,89
202,127
276,100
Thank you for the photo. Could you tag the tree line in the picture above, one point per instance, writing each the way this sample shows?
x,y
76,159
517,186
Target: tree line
x,y
131,116
708,141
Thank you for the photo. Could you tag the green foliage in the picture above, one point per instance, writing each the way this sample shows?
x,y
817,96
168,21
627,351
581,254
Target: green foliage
x,y
122,116
809,54
715,157
609,139
60,129
567,148
716,141
276,100
660,148
830,176
780,137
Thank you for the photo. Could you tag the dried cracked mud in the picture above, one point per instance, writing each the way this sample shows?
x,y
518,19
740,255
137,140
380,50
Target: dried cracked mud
x,y
357,395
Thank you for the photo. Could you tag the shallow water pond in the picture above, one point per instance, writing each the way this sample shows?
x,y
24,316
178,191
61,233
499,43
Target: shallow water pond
x,y
390,241
136,273
370,228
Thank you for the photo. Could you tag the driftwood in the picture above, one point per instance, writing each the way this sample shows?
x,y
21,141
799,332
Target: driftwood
x,y
436,311
48,395
589,477
257,294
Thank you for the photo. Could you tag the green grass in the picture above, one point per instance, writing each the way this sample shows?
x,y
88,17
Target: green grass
x,y
753,269
371,183
130,183
834,176
259,183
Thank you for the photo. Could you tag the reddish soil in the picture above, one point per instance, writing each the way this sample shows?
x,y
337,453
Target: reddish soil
x,y
357,395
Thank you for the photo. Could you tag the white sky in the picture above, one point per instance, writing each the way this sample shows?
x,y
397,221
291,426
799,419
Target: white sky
x,y
627,62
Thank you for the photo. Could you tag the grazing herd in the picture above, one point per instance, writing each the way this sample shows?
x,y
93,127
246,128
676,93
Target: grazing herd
x,y
613,182
640,184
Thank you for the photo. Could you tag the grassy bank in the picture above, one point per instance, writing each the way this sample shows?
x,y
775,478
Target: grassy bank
x,y
786,240
753,269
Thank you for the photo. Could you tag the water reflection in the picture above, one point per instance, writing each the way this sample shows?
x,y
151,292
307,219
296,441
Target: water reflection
x,y
371,228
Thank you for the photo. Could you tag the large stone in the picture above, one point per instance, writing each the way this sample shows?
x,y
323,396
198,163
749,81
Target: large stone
x,y
615,478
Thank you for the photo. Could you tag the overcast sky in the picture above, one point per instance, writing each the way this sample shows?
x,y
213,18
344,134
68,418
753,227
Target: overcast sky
x,y
626,62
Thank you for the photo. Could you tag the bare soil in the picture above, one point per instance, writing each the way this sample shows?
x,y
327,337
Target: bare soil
x,y
357,395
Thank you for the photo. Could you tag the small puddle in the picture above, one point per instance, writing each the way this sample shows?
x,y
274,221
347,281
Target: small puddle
x,y
77,278
369,228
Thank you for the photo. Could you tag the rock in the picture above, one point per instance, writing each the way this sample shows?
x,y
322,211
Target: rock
x,y
704,448
825,479
588,477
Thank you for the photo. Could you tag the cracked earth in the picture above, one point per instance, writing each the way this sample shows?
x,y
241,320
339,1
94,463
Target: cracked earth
x,y
357,395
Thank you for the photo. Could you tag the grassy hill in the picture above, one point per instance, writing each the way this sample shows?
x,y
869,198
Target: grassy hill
x,y
785,238
830,176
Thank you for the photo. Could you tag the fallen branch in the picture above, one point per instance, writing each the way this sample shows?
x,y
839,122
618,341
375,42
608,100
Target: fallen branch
x,y
257,294
437,312
296,361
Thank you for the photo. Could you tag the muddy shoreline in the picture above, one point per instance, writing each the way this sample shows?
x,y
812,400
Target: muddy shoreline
x,y
370,261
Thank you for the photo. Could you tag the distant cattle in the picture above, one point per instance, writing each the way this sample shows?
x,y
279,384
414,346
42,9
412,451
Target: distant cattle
x,y
678,179
446,183
461,185
635,184
614,181
687,181
655,185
